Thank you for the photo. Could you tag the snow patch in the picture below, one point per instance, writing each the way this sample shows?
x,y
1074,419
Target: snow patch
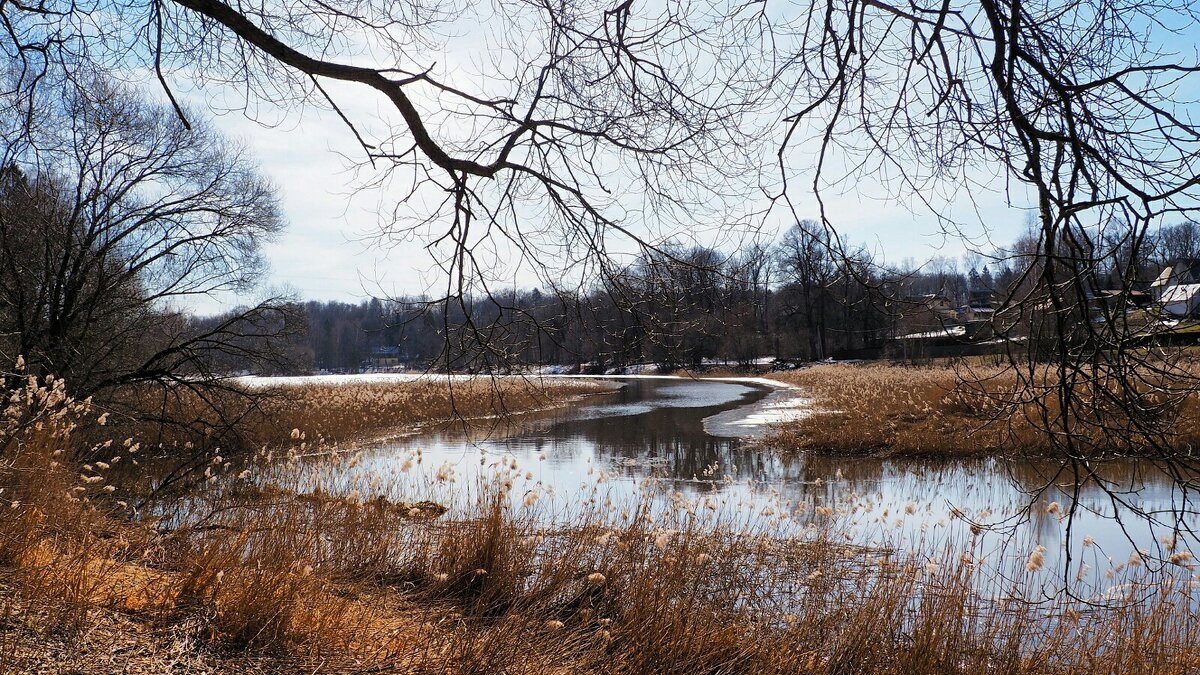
x,y
254,381
781,406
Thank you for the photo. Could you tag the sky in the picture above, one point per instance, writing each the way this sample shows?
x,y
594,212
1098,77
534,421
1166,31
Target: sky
x,y
331,248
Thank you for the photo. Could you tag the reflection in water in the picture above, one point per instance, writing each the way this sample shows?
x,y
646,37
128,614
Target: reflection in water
x,y
654,428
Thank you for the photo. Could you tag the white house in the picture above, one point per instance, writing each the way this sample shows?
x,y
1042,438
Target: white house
x,y
1180,299
1177,288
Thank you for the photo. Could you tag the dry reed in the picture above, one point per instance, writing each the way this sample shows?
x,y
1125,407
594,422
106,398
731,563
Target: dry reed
x,y
943,410
246,417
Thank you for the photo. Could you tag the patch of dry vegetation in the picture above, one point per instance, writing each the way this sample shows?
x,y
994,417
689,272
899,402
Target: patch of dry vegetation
x,y
253,574
246,418
955,410
345,411
891,409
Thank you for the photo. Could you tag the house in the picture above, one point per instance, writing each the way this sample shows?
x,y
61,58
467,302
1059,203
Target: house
x,y
1180,300
1184,271
1177,288
387,356
979,306
932,304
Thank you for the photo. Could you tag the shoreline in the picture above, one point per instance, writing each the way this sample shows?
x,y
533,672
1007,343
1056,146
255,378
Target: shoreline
x,y
784,404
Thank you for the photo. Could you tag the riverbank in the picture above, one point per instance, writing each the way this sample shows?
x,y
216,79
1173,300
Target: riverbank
x,y
260,570
249,413
891,410
366,408
886,410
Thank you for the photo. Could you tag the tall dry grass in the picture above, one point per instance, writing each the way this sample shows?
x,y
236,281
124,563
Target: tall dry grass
x,y
243,417
891,409
260,570
345,411
944,410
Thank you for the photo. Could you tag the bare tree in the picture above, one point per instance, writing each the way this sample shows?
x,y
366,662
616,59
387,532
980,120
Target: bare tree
x,y
807,262
586,124
1177,241
1089,107
113,215
747,326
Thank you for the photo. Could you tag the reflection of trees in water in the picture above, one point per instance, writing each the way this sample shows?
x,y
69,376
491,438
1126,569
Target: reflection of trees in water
x,y
1143,483
708,460
1037,483
670,443
854,469
1137,504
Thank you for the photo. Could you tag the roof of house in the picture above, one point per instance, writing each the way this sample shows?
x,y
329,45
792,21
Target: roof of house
x,y
1182,271
1180,293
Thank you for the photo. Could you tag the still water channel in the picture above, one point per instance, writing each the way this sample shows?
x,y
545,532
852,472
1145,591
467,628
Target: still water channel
x,y
685,438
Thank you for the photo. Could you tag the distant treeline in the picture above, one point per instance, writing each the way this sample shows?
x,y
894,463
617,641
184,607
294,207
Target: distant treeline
x,y
803,298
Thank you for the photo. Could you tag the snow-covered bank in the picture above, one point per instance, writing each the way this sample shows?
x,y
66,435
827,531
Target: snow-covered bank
x,y
255,381
784,404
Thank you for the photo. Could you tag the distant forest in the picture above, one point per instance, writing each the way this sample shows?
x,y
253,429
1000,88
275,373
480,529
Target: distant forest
x,y
802,299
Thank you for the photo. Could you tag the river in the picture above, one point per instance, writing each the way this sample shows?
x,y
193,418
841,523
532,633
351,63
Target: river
x,y
688,442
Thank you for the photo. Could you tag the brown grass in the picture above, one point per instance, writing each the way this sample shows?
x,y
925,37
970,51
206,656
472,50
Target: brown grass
x,y
238,578
340,412
245,419
958,410
889,409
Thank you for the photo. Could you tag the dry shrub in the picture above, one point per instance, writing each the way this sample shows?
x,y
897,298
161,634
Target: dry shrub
x,y
54,539
479,563
250,575
365,546
261,605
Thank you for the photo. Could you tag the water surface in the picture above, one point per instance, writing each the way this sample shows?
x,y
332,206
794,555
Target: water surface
x,y
654,430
